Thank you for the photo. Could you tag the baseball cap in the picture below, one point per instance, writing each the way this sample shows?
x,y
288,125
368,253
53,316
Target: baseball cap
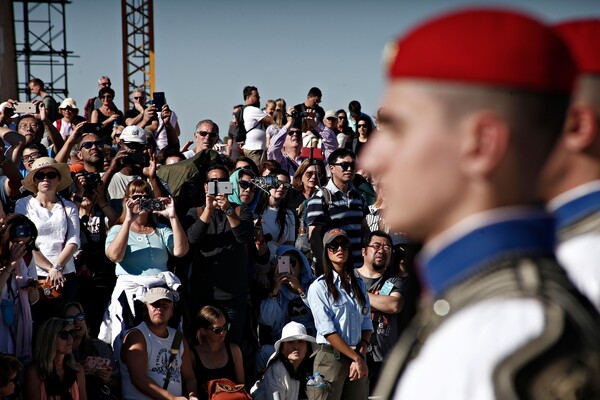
x,y
333,234
330,114
158,293
133,134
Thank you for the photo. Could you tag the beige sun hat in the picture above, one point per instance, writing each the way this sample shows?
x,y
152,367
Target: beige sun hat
x,y
48,162
68,102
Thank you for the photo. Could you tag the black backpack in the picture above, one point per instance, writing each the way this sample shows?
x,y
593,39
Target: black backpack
x,y
237,130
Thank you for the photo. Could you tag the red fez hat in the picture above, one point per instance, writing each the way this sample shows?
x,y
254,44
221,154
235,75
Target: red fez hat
x,y
583,39
490,47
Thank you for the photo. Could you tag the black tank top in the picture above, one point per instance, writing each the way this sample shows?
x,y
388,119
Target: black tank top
x,y
203,374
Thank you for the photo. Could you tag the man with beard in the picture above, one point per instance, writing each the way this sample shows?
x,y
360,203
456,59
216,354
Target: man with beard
x,y
384,287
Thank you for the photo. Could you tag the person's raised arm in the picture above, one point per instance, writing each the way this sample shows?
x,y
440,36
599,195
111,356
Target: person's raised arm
x,y
53,133
115,251
72,140
172,135
13,175
181,245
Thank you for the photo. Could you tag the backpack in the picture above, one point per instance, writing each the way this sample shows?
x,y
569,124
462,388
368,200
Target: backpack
x,y
237,130
225,389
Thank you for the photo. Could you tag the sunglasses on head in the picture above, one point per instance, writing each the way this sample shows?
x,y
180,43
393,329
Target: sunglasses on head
x,y
220,329
346,165
336,245
64,335
50,175
90,144
79,317
244,185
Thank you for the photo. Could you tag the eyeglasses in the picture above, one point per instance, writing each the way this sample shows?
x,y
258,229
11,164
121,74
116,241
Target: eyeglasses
x,y
285,185
244,185
139,196
346,165
108,96
31,157
362,126
204,133
90,144
50,175
379,246
71,319
220,329
335,246
64,335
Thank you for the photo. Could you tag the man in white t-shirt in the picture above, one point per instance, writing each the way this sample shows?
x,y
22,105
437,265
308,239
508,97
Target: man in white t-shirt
x,y
256,122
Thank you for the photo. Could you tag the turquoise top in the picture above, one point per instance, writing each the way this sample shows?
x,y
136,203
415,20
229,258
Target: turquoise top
x,y
145,254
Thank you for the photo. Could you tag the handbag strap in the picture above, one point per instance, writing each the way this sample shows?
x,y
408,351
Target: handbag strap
x,y
174,351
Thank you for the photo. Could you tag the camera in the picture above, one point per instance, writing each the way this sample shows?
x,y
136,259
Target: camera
x,y
23,231
151,205
266,182
216,188
89,127
141,159
296,114
92,180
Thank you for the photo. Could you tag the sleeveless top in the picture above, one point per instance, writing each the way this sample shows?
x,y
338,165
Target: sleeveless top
x,y
204,375
158,351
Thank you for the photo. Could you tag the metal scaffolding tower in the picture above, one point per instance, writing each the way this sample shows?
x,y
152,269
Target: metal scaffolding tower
x,y
41,45
138,46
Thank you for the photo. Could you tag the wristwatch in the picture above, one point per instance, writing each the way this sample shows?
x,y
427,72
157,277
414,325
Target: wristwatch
x,y
229,212
58,267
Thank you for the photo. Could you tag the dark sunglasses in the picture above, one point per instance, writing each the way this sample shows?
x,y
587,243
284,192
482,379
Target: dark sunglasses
x,y
246,185
90,144
50,175
309,173
220,329
346,165
138,97
135,146
362,126
140,196
292,133
204,133
106,97
279,184
336,245
79,317
64,335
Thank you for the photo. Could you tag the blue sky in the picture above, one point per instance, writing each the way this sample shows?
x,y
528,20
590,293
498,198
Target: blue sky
x,y
207,51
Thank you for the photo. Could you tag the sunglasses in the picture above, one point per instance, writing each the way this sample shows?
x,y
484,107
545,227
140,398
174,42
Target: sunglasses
x,y
138,97
362,126
292,133
346,165
50,175
69,109
64,335
79,317
337,245
31,157
279,184
310,173
139,196
90,144
244,185
106,97
220,329
204,133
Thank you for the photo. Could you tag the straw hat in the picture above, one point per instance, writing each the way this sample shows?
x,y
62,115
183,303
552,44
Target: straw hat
x,y
47,162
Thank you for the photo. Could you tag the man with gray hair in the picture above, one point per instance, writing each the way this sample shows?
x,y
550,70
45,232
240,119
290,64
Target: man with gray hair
x,y
141,115
206,136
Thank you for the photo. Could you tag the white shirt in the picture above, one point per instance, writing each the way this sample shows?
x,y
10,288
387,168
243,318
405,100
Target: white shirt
x,y
256,139
458,360
55,230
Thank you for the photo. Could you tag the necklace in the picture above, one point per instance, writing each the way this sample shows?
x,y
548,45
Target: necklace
x,y
142,229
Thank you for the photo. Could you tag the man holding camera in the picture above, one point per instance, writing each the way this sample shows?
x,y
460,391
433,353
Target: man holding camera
x,y
134,160
141,115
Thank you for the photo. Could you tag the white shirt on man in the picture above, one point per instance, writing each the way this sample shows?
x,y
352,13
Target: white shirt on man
x,y
256,139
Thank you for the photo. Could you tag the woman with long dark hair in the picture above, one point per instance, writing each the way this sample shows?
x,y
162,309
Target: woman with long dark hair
x,y
18,292
339,302
364,127
279,226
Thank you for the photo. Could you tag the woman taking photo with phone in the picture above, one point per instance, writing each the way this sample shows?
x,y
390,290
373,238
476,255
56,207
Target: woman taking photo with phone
x,y
339,303
17,238
140,248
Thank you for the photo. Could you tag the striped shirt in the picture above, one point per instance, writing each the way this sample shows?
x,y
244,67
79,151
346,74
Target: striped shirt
x,y
346,212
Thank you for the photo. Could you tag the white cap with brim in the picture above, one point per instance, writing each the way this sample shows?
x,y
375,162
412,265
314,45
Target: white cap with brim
x,y
48,162
133,134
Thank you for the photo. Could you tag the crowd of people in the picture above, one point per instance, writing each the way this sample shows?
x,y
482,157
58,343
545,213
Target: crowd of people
x,y
120,244
277,261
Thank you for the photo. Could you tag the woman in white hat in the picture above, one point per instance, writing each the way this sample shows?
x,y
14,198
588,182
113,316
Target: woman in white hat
x,y
289,367
57,222
70,117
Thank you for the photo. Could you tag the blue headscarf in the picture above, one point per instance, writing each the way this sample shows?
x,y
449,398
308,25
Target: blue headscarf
x,y
235,197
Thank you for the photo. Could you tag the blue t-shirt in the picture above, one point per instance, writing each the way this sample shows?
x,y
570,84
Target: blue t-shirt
x,y
145,254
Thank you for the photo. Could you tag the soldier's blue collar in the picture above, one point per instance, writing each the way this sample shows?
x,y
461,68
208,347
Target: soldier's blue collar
x,y
521,234
576,205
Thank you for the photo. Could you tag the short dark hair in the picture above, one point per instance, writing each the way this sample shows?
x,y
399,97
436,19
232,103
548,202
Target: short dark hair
x,y
314,91
271,165
37,146
367,239
340,153
37,82
354,107
219,167
106,90
167,152
248,91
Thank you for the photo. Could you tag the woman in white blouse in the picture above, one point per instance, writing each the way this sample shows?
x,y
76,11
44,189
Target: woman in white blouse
x,y
57,222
